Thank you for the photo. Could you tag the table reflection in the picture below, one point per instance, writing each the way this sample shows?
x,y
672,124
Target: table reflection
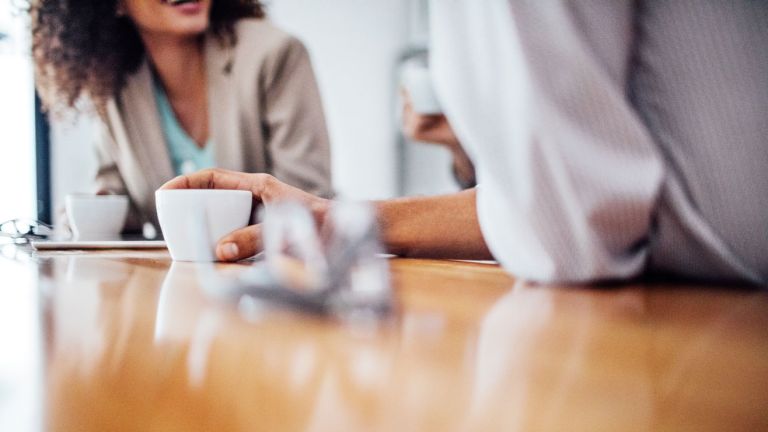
x,y
138,346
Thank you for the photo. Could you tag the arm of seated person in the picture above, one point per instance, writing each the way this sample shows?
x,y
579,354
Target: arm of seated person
x,y
435,129
427,227
433,227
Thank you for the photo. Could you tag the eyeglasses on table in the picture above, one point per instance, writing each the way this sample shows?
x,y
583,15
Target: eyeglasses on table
x,y
25,230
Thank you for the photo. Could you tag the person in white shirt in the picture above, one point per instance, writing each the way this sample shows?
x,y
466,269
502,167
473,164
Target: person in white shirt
x,y
612,139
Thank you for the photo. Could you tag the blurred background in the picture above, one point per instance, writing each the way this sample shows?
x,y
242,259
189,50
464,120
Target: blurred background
x,y
17,117
358,49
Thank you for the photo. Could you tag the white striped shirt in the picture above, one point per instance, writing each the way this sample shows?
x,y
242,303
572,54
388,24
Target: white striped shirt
x,y
613,138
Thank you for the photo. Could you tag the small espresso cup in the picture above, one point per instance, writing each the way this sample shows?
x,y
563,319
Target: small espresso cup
x,y
194,220
96,217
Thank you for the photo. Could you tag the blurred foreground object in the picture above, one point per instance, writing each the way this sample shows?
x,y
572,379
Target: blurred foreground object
x,y
337,270
24,230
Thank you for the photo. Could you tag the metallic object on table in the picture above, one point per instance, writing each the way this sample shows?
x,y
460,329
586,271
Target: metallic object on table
x,y
24,230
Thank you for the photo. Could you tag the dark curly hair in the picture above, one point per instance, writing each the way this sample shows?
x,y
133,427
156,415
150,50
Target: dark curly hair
x,y
82,48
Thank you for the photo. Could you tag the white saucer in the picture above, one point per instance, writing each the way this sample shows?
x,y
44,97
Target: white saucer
x,y
110,244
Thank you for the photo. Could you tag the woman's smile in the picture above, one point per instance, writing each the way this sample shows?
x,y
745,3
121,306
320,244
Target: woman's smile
x,y
185,6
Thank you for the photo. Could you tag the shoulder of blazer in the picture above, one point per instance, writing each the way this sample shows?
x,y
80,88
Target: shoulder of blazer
x,y
261,44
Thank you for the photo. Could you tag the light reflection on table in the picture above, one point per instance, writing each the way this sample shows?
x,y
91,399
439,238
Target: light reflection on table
x,y
129,342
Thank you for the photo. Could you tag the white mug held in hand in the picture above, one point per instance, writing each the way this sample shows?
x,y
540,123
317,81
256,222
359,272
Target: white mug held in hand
x,y
417,81
96,217
193,221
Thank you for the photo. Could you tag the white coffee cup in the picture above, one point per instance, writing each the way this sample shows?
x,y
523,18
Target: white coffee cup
x,y
194,220
417,81
96,217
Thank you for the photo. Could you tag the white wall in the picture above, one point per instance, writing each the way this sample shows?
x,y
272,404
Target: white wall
x,y
73,159
355,45
17,131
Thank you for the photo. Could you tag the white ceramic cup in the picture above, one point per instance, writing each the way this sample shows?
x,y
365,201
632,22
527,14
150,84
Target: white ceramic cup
x,y
194,220
417,81
96,217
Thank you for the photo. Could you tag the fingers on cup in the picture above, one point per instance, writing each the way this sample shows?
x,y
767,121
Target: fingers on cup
x,y
217,178
241,244
212,178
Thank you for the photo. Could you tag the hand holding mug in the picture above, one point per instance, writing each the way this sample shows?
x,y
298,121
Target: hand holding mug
x,y
435,128
429,128
265,189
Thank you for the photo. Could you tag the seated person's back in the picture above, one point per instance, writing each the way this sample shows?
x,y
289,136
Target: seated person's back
x,y
634,134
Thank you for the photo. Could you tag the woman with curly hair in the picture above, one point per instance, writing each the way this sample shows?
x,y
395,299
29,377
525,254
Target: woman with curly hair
x,y
183,85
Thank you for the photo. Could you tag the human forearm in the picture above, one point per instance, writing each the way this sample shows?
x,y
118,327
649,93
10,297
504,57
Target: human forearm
x,y
433,227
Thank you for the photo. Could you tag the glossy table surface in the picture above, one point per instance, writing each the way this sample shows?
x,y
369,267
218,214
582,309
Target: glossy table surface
x,y
123,341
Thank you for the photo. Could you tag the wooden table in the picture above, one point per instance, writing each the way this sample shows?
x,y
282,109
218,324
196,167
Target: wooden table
x,y
122,341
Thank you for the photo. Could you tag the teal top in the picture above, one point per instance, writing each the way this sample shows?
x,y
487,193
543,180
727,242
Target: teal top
x,y
186,155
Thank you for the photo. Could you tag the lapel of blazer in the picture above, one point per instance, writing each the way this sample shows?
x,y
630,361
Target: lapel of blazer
x,y
142,127
224,121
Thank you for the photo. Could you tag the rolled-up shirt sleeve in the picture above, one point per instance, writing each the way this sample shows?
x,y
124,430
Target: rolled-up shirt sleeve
x,y
568,173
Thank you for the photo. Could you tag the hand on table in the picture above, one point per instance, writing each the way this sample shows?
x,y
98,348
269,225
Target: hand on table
x,y
266,190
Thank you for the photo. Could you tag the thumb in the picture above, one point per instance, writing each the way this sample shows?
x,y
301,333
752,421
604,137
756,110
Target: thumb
x,y
241,244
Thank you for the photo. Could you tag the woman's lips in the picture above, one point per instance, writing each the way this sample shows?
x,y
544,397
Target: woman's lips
x,y
179,2
185,6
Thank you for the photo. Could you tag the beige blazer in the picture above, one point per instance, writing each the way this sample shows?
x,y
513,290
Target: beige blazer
x,y
265,111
